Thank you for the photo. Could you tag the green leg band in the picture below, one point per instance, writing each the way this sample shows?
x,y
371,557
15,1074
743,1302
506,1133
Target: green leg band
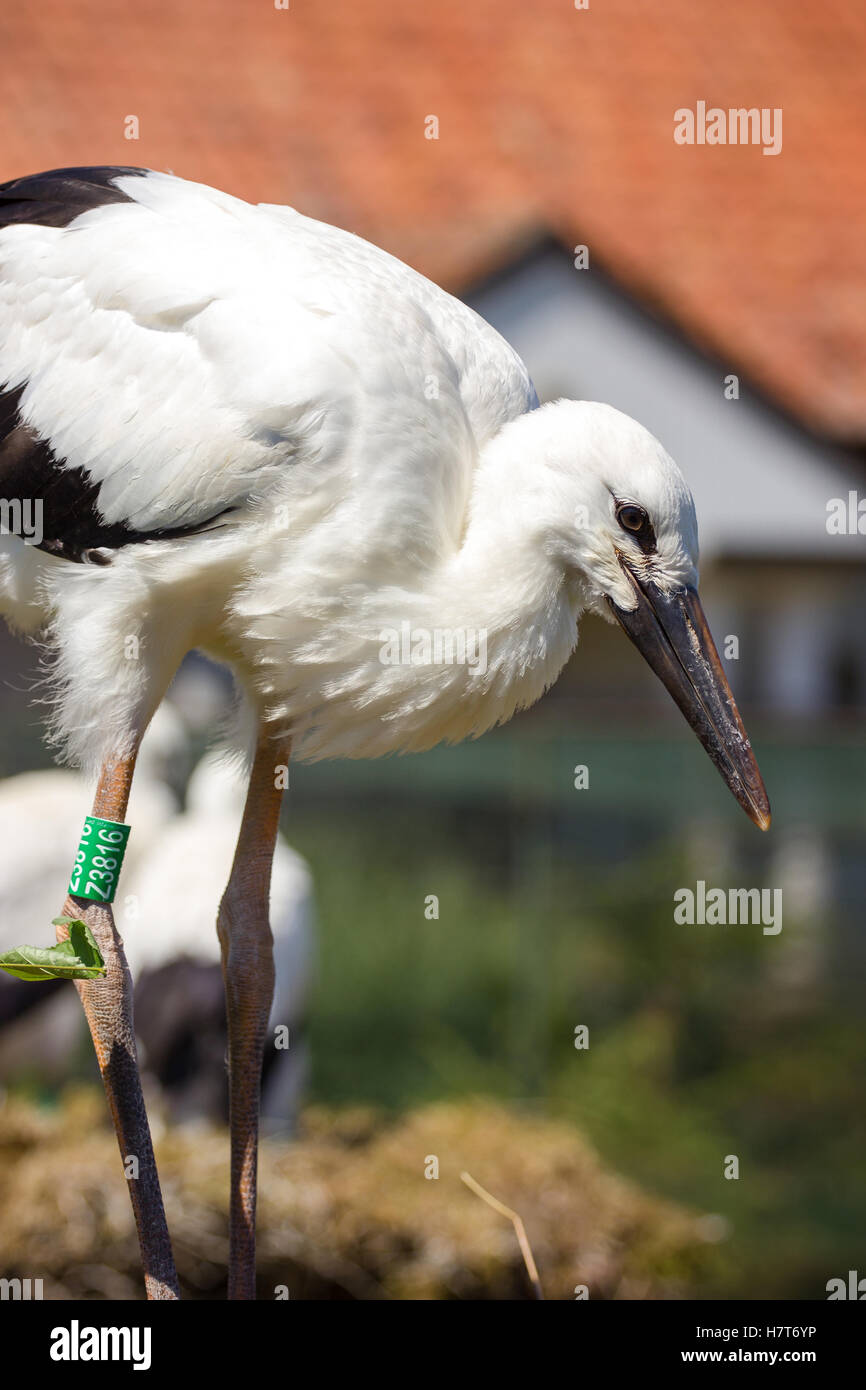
x,y
99,859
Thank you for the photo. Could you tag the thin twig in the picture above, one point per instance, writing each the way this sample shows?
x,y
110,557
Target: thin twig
x,y
519,1229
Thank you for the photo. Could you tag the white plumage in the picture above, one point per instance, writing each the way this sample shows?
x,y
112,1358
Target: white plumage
x,y
191,353
259,436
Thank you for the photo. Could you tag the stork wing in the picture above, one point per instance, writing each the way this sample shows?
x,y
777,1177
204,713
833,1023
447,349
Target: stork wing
x,y
115,409
166,350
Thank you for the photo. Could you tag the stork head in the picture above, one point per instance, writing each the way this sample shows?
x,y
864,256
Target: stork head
x,y
627,533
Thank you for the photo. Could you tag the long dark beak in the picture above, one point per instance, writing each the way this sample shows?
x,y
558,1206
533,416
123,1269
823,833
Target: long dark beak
x,y
671,633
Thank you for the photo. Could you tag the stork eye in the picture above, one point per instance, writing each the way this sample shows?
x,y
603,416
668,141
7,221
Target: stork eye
x,y
631,517
635,519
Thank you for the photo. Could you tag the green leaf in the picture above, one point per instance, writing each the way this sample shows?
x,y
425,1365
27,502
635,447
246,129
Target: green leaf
x,y
78,958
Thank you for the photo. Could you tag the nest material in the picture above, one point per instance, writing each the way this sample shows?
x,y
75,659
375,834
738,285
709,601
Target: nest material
x,y
345,1210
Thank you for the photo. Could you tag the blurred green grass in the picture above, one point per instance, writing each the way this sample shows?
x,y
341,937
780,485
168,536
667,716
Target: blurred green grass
x,y
555,909
698,1048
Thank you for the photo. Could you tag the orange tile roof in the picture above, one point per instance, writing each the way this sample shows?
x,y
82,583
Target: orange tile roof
x,y
547,115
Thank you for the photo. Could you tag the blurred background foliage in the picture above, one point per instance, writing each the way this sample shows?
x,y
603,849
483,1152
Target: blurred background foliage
x,y
704,1040
555,909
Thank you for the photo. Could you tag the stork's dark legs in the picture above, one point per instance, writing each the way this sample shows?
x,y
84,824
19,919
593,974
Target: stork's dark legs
x,y
108,1007
248,970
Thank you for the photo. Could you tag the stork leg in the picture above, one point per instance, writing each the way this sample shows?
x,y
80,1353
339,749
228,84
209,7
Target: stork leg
x,y
108,1008
248,971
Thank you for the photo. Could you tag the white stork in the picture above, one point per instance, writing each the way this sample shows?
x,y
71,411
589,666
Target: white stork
x,y
260,436
174,956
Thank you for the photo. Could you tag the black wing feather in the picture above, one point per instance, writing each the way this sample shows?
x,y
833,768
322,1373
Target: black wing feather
x,y
57,197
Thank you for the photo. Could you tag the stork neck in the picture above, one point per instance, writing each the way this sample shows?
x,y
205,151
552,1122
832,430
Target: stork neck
x,y
505,588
